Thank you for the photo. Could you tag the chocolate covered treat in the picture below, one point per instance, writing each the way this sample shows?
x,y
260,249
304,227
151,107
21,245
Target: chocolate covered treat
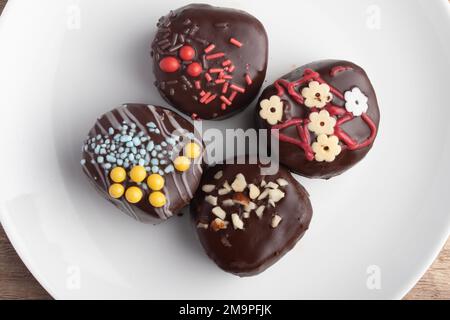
x,y
325,115
146,160
245,220
209,62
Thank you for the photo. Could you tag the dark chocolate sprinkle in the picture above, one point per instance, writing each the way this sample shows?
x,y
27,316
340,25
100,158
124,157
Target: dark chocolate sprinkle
x,y
194,30
184,87
204,62
172,91
167,23
202,41
167,45
162,42
166,35
221,25
171,82
187,31
186,81
178,46
164,30
174,39
181,38
162,85
187,22
186,62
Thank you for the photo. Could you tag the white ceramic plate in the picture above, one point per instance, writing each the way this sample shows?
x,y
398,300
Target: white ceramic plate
x,y
376,228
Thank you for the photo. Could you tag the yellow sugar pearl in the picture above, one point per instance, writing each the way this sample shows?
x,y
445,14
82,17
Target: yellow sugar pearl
x,y
192,150
118,174
157,199
133,194
138,174
182,163
116,190
155,182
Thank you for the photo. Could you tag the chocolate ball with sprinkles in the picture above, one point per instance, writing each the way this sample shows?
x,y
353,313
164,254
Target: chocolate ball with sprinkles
x,y
209,62
246,220
144,159
325,115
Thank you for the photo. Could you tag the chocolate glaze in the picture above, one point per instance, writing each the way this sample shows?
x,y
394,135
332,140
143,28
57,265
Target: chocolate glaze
x,y
179,187
200,25
345,79
252,250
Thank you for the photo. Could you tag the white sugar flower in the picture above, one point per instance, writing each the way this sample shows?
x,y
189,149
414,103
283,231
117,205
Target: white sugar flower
x,y
317,95
356,102
326,148
272,110
321,123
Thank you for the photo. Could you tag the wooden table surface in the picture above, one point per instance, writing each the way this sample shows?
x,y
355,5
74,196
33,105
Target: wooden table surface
x,y
16,282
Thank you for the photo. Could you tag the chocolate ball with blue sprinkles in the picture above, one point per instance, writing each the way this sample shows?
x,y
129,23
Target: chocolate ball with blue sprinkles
x,y
144,159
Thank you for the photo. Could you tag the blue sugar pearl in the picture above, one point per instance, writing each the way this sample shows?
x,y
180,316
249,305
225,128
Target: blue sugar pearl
x,y
113,147
102,151
133,125
83,162
125,138
121,149
154,162
97,150
92,145
171,141
164,152
125,127
123,156
158,148
137,142
111,131
169,169
111,158
141,162
107,141
119,162
131,157
93,161
141,134
142,152
155,169
100,159
107,166
163,162
98,137
138,156
127,150
150,146
147,157
161,173
157,131
130,144
151,125
148,169
160,156
134,150
164,144
154,153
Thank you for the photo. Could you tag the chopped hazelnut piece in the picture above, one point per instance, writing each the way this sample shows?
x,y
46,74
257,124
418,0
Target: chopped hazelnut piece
x,y
208,188
263,183
276,195
218,175
239,183
282,182
218,224
254,191
237,222
260,211
272,185
227,203
264,194
211,200
276,221
218,212
246,215
202,225
241,199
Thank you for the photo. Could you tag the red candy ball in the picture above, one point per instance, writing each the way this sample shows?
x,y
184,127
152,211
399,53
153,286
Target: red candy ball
x,y
169,64
187,53
194,69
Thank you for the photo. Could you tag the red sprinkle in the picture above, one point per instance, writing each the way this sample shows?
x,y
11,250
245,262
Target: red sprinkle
x,y
226,63
232,96
231,68
215,70
237,88
235,42
225,87
202,93
248,79
219,81
211,99
223,106
208,77
215,56
198,85
210,48
205,97
228,77
225,100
